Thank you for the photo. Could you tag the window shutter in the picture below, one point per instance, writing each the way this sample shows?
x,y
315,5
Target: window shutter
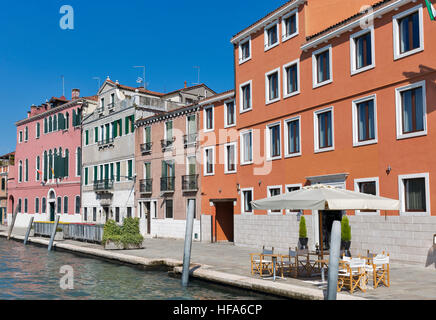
x,y
86,137
79,161
96,134
114,129
127,125
74,118
66,171
45,125
148,134
164,166
132,123
120,125
86,176
45,165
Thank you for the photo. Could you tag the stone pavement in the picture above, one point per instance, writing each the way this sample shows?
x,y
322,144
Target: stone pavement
x,y
408,281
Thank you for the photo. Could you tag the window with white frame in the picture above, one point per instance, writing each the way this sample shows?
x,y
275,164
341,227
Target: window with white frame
x,y
272,86
247,147
271,35
411,110
208,118
209,161
245,50
408,31
20,136
169,214
322,66
414,193
273,142
290,25
230,157
368,186
324,135
364,121
274,191
229,114
245,96
291,76
246,198
362,50
292,188
292,137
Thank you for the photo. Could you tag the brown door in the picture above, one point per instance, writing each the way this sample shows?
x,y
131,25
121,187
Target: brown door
x,y
224,221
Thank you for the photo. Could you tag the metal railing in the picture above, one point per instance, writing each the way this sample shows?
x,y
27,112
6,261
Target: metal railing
x,y
111,106
100,110
146,186
166,144
45,229
146,147
167,184
103,185
105,142
190,182
84,232
190,139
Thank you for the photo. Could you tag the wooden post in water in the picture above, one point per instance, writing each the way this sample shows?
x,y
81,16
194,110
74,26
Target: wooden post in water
x,y
14,216
335,248
53,233
28,230
188,243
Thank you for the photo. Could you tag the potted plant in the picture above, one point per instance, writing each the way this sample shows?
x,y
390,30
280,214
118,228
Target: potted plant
x,y
303,233
345,234
124,237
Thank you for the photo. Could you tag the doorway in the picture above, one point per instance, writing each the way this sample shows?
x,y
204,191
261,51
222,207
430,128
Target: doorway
x,y
147,215
52,211
106,213
326,219
224,221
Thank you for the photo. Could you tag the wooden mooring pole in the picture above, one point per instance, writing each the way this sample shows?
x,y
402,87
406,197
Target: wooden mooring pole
x,y
188,243
53,233
28,230
14,216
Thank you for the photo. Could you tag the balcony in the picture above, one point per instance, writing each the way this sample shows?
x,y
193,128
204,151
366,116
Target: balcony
x,y
111,106
167,144
105,143
190,182
167,184
190,140
103,185
146,147
100,110
146,186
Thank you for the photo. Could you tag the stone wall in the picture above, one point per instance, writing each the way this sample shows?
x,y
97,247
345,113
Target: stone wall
x,y
206,228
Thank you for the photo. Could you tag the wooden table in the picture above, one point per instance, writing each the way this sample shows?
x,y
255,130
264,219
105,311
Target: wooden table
x,y
274,257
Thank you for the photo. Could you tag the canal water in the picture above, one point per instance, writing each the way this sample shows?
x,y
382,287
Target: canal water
x,y
31,272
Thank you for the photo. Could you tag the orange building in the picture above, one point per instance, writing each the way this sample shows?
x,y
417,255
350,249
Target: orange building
x,y
328,93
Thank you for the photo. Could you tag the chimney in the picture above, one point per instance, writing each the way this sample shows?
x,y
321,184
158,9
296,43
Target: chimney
x,y
185,84
75,94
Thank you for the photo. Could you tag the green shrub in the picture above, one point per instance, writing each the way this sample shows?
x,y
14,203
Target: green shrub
x,y
345,229
127,234
303,230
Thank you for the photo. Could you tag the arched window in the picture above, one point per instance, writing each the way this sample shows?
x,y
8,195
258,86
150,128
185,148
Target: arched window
x,y
36,205
38,168
67,160
55,123
43,205
20,171
59,205
77,204
26,134
67,120
50,165
45,165
38,130
50,124
45,125
78,161
66,205
26,170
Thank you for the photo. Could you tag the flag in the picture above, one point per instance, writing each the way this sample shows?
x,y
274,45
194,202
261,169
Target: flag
x,y
431,10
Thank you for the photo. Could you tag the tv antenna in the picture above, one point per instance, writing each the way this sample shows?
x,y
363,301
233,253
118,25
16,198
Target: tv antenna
x,y
198,75
63,86
139,79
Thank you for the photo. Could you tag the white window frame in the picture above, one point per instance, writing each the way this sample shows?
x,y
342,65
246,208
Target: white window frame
x,y
205,173
396,32
243,201
242,144
268,140
286,137
268,188
211,107
315,84
267,98
165,209
300,185
241,98
241,59
226,171
286,37
356,142
377,193
315,128
285,79
399,113
226,125
353,55
402,194
269,26
20,136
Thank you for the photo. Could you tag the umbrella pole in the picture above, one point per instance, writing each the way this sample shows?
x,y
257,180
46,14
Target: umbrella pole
x,y
321,244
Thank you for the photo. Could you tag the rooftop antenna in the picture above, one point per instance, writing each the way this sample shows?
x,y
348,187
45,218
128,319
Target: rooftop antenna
x,y
98,79
198,79
63,86
139,80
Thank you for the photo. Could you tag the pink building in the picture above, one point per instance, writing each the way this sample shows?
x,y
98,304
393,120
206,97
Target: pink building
x,y
47,172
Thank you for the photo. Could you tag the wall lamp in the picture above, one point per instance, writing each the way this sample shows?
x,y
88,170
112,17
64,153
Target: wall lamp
x,y
389,169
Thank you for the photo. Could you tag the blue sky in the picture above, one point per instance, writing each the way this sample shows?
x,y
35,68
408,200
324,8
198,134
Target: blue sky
x,y
109,38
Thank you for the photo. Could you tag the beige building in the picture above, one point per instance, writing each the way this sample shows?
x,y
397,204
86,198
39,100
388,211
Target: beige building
x,y
6,161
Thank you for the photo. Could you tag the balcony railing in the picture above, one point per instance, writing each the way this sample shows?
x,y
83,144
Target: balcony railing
x,y
100,110
190,139
106,142
146,186
167,184
167,144
111,106
146,147
103,185
190,182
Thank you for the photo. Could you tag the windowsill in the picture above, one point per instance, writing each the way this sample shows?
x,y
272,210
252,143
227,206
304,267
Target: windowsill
x,y
293,155
398,56
414,214
208,130
286,38
411,135
267,48
270,213
268,102
230,125
208,174
242,61
245,110
291,94
320,84
247,213
324,149
229,172
274,158
364,143
357,71
246,163
360,213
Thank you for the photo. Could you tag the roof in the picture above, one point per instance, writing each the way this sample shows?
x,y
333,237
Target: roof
x,y
217,97
140,89
7,155
190,88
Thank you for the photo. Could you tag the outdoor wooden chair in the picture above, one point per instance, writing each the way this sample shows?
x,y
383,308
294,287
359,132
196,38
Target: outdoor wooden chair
x,y
260,263
289,263
380,270
352,275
